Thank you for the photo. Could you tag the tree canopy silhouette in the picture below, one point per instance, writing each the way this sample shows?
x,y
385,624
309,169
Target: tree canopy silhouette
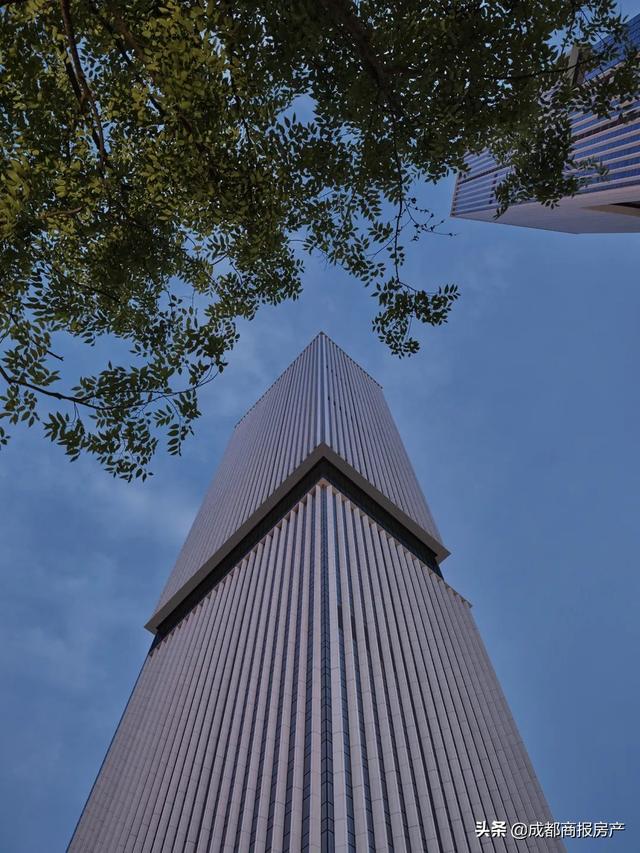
x,y
167,166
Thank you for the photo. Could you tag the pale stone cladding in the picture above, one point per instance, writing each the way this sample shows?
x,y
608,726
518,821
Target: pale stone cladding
x,y
329,692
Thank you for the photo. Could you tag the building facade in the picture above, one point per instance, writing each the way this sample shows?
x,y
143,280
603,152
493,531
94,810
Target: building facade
x,y
603,205
314,683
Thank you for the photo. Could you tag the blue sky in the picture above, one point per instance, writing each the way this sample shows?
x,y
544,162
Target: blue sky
x,y
522,419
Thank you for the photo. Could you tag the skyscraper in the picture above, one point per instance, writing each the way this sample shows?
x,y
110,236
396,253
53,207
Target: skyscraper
x,y
603,205
314,683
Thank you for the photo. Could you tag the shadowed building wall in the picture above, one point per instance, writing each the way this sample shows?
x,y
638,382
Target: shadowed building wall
x,y
320,687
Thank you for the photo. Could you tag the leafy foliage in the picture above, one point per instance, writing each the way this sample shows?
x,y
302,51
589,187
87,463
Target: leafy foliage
x,y
165,167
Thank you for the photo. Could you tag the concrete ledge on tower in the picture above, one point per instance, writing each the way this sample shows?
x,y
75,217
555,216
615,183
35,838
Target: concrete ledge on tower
x,y
322,463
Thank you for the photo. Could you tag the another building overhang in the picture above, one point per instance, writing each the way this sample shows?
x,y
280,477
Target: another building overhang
x,y
609,211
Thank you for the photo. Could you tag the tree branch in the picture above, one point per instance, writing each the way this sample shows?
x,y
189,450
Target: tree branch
x,y
81,80
97,290
122,50
343,13
47,214
13,380
134,45
85,401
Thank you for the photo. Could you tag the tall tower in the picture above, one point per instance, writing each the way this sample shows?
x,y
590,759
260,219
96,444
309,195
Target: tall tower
x,y
314,684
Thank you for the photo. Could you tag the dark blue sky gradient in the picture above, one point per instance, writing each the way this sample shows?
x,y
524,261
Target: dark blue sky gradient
x,y
522,419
